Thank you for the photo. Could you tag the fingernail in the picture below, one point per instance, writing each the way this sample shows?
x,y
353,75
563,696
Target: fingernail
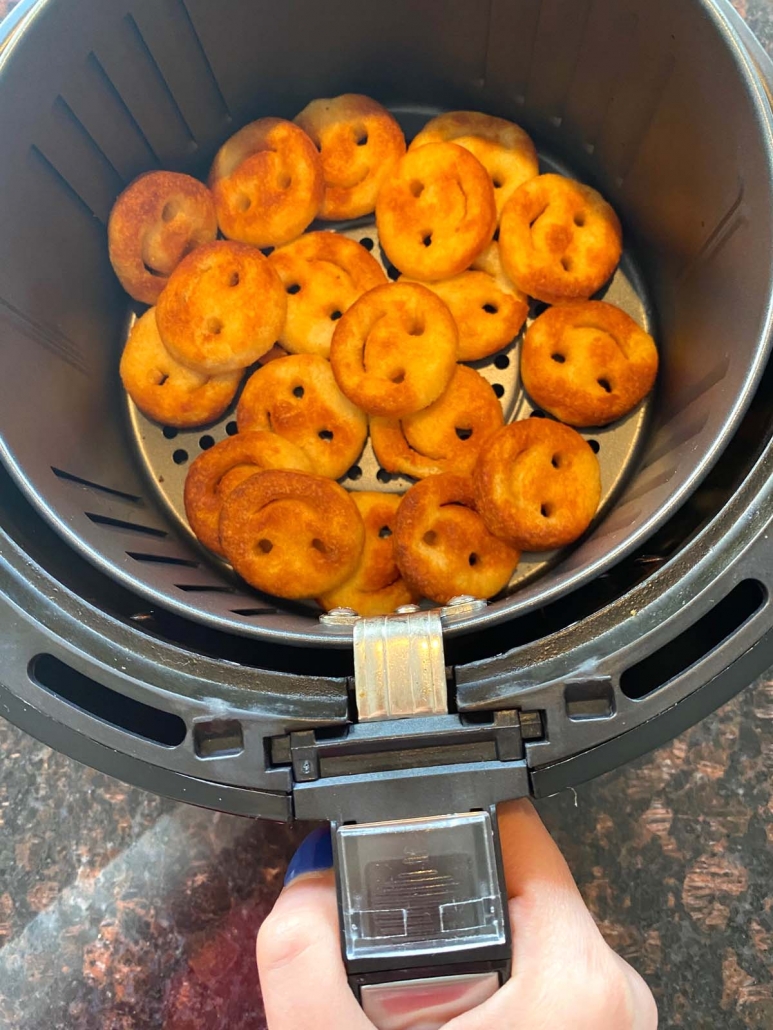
x,y
314,855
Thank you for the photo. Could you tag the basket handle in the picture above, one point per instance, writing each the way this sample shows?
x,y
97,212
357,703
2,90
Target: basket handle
x,y
423,915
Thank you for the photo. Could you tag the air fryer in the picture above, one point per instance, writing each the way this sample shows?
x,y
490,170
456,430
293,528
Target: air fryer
x,y
125,646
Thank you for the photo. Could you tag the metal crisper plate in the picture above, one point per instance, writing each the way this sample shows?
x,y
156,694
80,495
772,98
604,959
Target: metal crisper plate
x,y
166,454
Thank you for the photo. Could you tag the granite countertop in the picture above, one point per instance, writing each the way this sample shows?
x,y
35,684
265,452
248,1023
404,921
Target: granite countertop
x,y
119,909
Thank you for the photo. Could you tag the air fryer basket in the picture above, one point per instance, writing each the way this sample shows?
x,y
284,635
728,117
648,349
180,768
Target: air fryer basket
x,y
123,642
655,110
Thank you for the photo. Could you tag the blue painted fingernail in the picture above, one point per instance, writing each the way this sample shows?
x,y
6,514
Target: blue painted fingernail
x,y
314,855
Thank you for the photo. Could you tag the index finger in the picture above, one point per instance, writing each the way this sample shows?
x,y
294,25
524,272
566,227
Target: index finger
x,y
544,899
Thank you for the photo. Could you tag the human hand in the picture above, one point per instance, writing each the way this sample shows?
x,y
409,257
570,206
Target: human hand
x,y
565,977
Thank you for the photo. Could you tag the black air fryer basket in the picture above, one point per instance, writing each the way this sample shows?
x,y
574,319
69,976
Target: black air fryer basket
x,y
126,647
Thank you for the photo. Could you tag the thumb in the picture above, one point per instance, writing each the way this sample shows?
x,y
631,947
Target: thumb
x,y
302,974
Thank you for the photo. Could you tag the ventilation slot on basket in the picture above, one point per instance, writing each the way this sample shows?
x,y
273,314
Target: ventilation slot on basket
x,y
116,105
592,699
180,51
218,738
163,559
44,336
726,227
152,67
70,478
130,527
690,647
125,713
64,185
203,588
71,148
250,612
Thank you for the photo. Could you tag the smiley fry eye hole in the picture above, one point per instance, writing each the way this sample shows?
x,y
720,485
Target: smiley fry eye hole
x,y
298,391
385,532
473,559
265,546
430,538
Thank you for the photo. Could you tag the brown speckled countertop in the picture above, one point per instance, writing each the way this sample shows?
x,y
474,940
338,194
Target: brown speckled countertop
x,y
121,910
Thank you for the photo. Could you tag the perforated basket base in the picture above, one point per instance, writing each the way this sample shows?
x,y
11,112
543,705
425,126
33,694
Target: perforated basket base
x,y
165,454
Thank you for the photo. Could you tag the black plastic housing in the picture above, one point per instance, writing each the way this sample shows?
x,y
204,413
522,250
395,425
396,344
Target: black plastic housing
x,y
661,616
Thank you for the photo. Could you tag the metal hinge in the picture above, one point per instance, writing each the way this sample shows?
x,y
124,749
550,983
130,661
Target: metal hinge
x,y
399,667
405,755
